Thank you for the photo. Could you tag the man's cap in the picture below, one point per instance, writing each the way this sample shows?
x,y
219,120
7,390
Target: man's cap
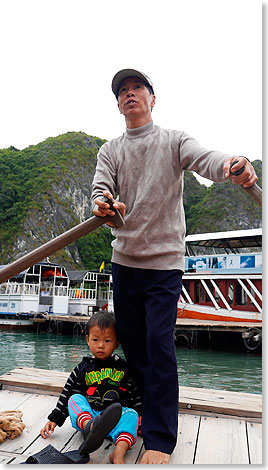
x,y
127,73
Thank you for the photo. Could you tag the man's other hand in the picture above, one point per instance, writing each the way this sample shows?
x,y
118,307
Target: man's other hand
x,y
247,178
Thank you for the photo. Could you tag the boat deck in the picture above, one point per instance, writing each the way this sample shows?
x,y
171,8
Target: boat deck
x,y
215,427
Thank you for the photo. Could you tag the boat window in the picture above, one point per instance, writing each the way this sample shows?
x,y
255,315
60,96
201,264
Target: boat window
x,y
186,286
241,297
230,293
253,295
216,294
59,281
36,269
196,291
211,289
202,293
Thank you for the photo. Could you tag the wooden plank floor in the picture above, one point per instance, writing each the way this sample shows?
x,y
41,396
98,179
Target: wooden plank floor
x,y
204,437
191,399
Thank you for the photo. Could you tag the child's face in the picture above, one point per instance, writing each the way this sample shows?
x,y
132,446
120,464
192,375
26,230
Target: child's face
x,y
102,343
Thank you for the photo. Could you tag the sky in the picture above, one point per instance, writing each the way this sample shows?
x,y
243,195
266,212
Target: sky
x,y
204,57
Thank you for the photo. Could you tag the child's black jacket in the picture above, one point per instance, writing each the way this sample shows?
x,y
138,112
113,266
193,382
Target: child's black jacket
x,y
102,383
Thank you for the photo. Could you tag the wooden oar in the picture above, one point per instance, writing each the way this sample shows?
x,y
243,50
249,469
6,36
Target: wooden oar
x,y
254,191
59,242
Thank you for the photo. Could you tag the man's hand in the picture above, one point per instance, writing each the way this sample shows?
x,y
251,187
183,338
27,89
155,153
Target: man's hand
x,y
247,178
48,429
104,209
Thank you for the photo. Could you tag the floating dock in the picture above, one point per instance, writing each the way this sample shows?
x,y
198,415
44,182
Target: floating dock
x,y
181,323
188,332
215,426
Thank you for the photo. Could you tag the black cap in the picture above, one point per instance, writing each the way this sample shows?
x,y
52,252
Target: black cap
x,y
127,73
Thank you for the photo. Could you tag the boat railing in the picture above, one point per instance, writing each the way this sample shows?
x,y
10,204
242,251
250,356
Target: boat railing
x,y
89,294
76,293
61,291
103,295
16,288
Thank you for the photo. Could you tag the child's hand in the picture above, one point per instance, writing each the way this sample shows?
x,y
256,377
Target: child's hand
x,y
48,429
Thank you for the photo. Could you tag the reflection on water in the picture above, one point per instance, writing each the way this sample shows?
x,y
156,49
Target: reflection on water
x,y
220,370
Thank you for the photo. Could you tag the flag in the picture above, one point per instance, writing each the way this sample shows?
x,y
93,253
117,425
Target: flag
x,y
102,266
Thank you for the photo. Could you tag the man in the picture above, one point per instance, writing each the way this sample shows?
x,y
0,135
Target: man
x,y
144,169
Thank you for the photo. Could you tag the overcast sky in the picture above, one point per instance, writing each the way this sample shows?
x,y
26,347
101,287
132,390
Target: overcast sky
x,y
58,58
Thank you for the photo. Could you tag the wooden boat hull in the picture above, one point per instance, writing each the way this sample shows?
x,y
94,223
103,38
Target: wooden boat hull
x,y
205,312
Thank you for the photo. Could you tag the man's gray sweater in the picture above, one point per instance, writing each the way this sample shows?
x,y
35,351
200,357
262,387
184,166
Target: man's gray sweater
x,y
144,168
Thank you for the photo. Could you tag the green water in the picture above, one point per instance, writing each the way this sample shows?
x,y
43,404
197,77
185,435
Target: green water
x,y
236,371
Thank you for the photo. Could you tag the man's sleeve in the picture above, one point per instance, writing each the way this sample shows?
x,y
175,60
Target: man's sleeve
x,y
105,175
207,163
73,385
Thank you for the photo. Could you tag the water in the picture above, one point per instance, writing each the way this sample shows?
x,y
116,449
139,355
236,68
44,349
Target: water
x,y
236,371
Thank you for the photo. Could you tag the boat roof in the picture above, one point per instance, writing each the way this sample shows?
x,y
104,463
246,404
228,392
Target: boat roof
x,y
42,263
77,275
231,239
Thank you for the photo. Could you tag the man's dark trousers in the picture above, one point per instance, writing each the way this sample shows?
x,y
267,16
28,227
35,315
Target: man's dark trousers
x,y
145,306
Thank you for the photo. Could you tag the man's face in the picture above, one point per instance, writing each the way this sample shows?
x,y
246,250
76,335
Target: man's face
x,y
134,98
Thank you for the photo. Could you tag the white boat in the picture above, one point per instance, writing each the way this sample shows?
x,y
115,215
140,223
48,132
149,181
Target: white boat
x,y
42,288
89,291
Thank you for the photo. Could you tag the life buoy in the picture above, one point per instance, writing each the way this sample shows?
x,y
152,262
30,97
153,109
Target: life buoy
x,y
104,307
79,294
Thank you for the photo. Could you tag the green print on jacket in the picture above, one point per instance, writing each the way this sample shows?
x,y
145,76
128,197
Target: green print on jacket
x,y
99,376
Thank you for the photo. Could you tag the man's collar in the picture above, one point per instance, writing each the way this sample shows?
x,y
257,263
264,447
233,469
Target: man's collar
x,y
140,131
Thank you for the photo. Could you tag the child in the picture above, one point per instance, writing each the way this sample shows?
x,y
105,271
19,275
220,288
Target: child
x,y
95,391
